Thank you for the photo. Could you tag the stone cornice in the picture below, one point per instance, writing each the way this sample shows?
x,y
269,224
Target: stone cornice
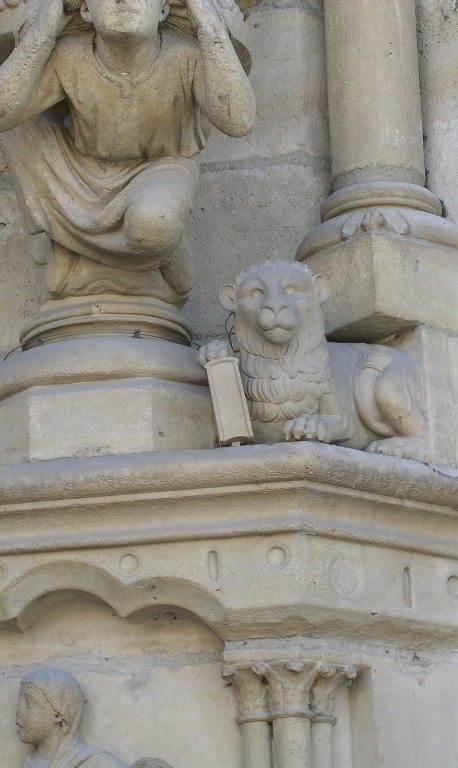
x,y
186,471
226,493
310,522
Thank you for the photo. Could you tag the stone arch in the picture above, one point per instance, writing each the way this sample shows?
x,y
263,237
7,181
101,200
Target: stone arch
x,y
125,596
140,669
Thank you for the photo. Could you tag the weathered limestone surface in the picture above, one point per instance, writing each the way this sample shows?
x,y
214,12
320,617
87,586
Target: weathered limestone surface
x,y
125,667
299,560
18,291
280,606
259,194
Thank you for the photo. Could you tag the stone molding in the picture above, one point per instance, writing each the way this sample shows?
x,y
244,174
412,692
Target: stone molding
x,y
259,505
235,468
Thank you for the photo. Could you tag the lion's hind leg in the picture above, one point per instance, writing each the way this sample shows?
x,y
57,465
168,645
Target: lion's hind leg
x,y
398,396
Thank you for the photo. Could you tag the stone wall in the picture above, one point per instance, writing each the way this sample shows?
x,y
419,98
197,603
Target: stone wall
x,y
153,576
260,194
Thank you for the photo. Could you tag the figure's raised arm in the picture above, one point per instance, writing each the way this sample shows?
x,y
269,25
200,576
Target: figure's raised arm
x,y
27,85
221,86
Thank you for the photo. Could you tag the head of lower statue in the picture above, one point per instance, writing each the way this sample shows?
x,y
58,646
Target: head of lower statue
x,y
118,19
49,709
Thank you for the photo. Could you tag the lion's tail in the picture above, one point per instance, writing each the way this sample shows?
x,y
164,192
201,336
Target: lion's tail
x,y
363,388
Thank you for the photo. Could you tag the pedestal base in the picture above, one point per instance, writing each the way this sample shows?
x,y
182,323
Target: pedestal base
x,y
103,396
105,315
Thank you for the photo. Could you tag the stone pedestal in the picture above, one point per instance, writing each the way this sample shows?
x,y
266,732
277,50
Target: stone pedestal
x,y
104,375
108,315
104,395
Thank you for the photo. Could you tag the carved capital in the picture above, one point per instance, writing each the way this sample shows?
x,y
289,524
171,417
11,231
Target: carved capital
x,y
290,683
330,678
250,690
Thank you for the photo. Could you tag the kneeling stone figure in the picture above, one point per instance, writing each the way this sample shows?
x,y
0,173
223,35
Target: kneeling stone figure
x,y
300,386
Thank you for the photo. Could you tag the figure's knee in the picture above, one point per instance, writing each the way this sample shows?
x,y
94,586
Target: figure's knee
x,y
154,226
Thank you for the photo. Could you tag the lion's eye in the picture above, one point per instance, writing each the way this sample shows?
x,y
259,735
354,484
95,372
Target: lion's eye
x,y
290,290
256,293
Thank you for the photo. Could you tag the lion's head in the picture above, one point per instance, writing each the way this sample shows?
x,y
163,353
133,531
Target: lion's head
x,y
279,324
277,308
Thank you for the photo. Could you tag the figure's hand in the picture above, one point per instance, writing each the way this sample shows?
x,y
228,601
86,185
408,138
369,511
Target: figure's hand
x,y
206,12
309,427
52,16
214,350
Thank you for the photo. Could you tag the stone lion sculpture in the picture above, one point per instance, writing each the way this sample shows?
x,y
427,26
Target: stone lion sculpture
x,y
300,386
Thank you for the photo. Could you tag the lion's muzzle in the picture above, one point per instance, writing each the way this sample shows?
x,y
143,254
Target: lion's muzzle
x,y
285,319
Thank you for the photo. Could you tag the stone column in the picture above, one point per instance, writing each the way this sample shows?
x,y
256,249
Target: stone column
x,y
389,254
290,683
374,92
378,173
331,678
251,690
374,107
375,120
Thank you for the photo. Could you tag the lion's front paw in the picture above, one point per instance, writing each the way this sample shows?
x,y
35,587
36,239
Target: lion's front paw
x,y
213,351
309,427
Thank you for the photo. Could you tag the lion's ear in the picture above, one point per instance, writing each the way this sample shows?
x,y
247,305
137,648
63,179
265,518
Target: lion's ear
x,y
227,297
321,288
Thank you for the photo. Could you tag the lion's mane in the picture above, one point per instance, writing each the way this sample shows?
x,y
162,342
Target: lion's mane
x,y
282,381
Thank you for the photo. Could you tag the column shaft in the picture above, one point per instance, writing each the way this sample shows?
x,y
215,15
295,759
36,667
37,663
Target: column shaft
x,y
256,749
292,736
374,92
322,745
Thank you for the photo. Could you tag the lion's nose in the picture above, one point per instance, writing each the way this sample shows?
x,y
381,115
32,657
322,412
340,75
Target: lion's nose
x,y
267,319
270,318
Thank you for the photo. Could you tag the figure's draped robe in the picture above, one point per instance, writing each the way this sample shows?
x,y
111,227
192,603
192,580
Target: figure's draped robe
x,y
76,176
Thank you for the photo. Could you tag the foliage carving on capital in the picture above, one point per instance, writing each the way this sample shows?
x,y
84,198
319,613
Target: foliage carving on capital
x,y
290,682
250,690
330,679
